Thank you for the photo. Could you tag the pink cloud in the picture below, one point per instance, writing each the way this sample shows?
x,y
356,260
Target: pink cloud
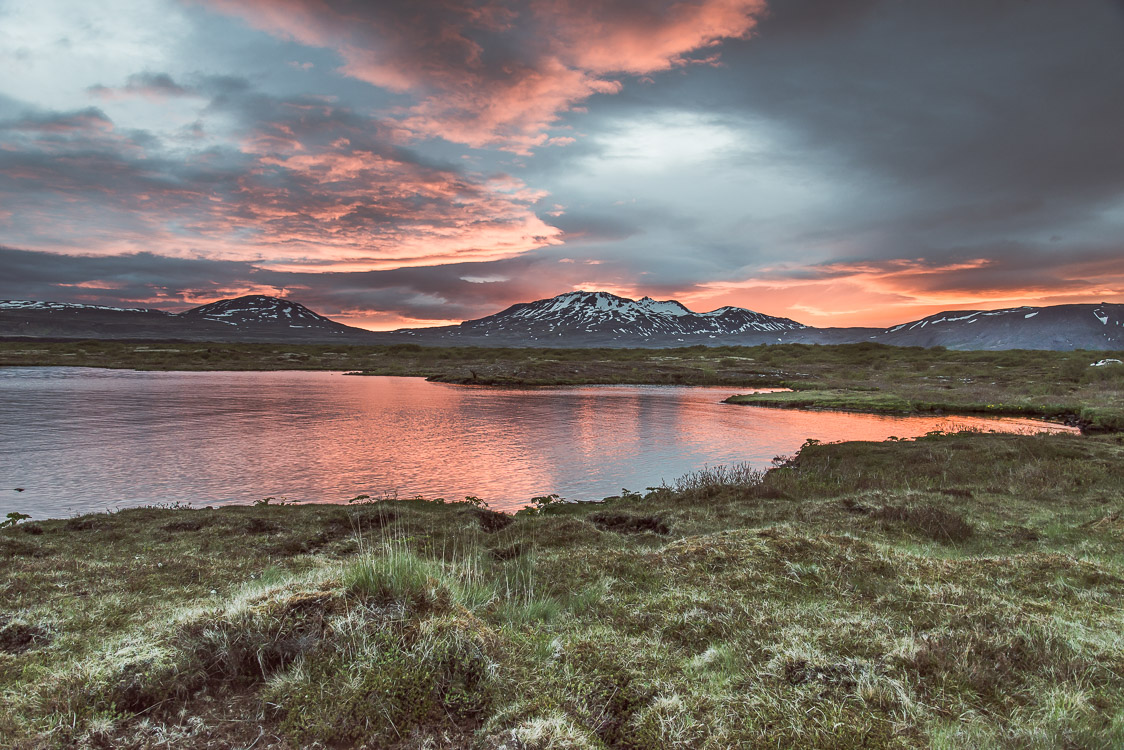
x,y
490,74
311,186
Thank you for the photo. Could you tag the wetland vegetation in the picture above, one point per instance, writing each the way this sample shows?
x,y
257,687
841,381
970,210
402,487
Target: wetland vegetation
x,y
957,591
954,591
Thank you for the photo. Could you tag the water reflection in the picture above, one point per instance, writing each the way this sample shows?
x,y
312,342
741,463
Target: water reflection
x,y
80,440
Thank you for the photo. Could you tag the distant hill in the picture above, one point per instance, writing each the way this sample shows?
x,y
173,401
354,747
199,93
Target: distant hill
x,y
269,316
1059,327
573,319
253,318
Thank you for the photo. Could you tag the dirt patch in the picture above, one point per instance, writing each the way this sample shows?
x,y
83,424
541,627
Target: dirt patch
x,y
1021,534
316,603
509,552
82,524
1113,521
851,505
17,637
623,523
10,548
373,516
262,526
936,523
845,674
491,521
334,529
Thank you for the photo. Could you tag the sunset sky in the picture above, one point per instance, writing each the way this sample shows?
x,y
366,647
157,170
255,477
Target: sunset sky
x,y
419,162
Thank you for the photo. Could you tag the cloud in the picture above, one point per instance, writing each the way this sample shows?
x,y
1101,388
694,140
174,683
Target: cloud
x,y
833,294
154,85
500,74
301,181
836,162
884,292
382,299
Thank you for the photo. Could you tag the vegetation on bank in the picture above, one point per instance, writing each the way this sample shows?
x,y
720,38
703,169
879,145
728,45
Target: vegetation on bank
x,y
1062,386
957,591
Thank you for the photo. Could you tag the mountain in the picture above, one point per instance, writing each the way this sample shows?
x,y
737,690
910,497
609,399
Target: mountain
x,y
254,318
259,314
602,319
32,319
573,319
1058,327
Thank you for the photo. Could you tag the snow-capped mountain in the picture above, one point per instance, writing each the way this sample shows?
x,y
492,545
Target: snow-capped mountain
x,y
30,304
574,319
603,318
1058,327
259,310
250,318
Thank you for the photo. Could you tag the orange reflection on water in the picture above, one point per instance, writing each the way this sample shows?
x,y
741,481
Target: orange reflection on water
x,y
94,440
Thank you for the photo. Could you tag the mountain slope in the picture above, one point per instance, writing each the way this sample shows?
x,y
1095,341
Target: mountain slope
x,y
601,319
254,318
1058,327
34,319
260,314
573,319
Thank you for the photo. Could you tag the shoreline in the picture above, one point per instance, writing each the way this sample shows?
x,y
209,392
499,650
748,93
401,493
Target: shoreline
x,y
834,601
839,401
788,390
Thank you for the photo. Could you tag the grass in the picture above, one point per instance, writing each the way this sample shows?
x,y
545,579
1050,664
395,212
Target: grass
x,y
957,591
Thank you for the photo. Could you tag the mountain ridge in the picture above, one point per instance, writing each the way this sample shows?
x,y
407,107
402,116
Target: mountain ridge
x,y
573,319
606,316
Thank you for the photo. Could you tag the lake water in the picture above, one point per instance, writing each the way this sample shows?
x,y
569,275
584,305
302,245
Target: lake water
x,y
80,440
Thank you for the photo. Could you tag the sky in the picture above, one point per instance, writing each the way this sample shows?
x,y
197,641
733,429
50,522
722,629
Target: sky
x,y
422,162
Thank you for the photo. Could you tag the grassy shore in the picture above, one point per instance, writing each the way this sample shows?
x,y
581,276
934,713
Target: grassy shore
x,y
958,591
860,377
1062,386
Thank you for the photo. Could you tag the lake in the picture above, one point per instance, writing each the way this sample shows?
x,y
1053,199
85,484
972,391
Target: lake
x,y
80,440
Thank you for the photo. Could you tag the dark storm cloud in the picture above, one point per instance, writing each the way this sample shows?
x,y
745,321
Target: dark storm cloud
x,y
938,133
491,73
581,226
453,291
114,279
1004,110
917,153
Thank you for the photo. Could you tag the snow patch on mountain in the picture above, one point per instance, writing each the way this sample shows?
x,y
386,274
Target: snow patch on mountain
x,y
971,316
619,319
258,309
29,304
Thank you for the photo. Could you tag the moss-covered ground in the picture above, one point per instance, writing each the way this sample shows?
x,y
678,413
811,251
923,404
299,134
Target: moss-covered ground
x,y
957,591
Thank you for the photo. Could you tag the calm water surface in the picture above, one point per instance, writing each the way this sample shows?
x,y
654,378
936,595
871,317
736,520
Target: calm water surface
x,y
81,440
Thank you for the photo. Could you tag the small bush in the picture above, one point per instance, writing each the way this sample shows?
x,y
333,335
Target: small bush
x,y
398,576
711,481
